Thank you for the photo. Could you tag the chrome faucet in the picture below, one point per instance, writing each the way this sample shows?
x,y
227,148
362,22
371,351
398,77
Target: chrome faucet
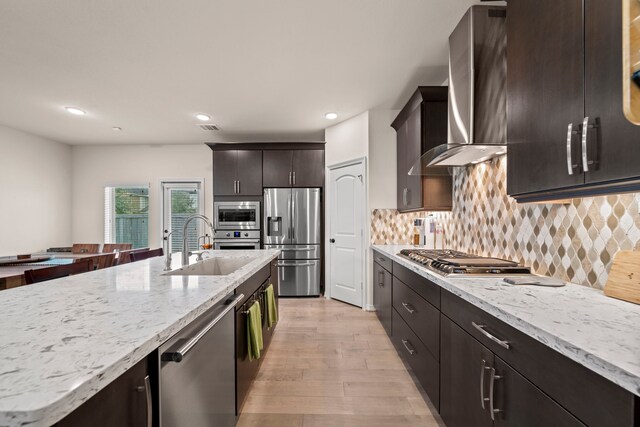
x,y
185,251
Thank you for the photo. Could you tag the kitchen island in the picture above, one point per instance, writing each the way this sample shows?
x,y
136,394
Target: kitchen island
x,y
571,343
65,340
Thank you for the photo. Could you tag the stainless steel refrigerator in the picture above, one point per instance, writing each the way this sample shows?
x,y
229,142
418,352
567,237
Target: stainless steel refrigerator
x,y
292,224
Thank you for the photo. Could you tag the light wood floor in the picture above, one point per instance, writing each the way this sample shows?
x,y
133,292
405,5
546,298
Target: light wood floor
x,y
332,365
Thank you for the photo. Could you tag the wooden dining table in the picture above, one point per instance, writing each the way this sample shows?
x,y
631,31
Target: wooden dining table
x,y
12,276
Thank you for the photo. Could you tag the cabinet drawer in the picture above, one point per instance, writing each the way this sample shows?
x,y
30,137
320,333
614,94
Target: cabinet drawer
x,y
424,366
570,384
384,261
422,317
424,287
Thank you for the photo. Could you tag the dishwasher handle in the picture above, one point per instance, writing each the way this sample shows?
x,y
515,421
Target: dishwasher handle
x,y
178,355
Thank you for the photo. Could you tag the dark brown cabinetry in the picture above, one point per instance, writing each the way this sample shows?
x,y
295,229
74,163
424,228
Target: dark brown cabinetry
x,y
254,291
567,133
237,172
293,168
420,126
126,402
382,291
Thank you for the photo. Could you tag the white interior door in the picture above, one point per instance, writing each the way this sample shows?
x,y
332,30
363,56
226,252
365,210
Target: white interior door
x,y
346,233
179,201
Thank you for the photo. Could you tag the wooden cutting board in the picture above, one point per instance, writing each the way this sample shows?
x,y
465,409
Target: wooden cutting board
x,y
624,277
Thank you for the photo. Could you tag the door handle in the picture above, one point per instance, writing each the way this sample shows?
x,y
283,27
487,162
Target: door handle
x,y
483,367
492,409
570,165
146,388
480,328
585,134
332,240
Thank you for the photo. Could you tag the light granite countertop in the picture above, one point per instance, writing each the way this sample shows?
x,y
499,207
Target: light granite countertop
x,y
600,333
66,339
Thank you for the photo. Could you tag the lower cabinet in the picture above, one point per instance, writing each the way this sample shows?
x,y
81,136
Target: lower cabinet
x,y
124,403
480,389
382,295
254,289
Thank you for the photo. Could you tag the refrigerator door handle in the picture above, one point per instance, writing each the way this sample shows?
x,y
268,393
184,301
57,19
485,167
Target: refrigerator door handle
x,y
293,217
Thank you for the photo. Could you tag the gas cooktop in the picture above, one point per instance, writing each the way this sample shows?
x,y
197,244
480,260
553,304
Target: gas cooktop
x,y
453,263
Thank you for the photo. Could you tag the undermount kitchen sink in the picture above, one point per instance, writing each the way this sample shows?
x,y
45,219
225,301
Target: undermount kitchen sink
x,y
215,266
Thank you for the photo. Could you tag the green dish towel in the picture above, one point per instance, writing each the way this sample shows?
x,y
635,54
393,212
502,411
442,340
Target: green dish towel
x,y
254,331
272,311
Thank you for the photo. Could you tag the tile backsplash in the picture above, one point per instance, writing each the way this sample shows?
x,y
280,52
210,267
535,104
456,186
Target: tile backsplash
x,y
575,241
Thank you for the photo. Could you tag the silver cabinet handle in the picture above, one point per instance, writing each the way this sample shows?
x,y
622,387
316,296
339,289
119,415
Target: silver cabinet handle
x,y
404,197
146,388
290,181
381,278
408,307
178,355
483,367
238,186
492,409
380,259
294,178
585,134
570,165
302,264
406,343
480,328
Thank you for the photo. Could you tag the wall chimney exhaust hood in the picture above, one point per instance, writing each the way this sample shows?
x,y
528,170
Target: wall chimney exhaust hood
x,y
477,92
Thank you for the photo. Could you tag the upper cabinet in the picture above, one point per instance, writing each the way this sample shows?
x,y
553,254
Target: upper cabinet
x,y
237,173
420,126
293,168
567,134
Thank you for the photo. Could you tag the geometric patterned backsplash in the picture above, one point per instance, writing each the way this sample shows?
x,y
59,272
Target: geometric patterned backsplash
x,y
575,241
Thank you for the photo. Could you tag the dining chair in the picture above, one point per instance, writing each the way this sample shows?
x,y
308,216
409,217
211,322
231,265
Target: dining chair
x,y
139,256
124,257
110,247
85,248
100,261
49,273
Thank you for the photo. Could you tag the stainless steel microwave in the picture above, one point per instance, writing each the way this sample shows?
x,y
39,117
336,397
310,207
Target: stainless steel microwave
x,y
236,215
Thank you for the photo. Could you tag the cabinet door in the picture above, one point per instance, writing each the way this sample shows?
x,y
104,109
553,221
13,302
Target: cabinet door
x,y
401,166
249,166
308,168
413,152
382,296
276,168
522,404
121,403
224,172
545,83
465,365
615,145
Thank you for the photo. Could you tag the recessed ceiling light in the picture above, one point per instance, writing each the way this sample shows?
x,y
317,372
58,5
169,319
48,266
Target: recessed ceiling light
x,y
331,116
116,128
203,117
76,111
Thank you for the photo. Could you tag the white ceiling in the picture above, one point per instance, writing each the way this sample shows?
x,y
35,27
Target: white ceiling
x,y
264,69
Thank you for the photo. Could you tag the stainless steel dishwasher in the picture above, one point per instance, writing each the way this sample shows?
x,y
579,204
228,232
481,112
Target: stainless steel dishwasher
x,y
197,371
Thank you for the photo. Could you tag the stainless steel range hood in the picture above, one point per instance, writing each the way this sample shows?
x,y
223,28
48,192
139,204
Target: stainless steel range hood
x,y
477,92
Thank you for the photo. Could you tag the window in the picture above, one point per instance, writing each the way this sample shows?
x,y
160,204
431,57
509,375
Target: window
x,y
126,215
181,199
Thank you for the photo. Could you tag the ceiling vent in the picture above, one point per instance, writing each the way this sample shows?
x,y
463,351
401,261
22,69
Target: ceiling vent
x,y
209,127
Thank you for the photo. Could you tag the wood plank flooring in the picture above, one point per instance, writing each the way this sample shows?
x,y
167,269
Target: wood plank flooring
x,y
332,365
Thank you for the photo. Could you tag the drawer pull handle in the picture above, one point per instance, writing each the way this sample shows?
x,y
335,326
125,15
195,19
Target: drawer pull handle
x,y
483,368
408,307
380,259
381,279
480,328
492,410
406,343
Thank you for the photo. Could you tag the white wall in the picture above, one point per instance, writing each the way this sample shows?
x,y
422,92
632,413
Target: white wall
x,y
347,140
95,167
35,193
382,159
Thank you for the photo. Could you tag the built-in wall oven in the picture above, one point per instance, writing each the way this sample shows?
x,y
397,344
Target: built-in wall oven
x,y
237,225
236,215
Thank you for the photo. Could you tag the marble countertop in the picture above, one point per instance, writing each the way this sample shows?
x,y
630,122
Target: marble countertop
x,y
600,333
66,339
